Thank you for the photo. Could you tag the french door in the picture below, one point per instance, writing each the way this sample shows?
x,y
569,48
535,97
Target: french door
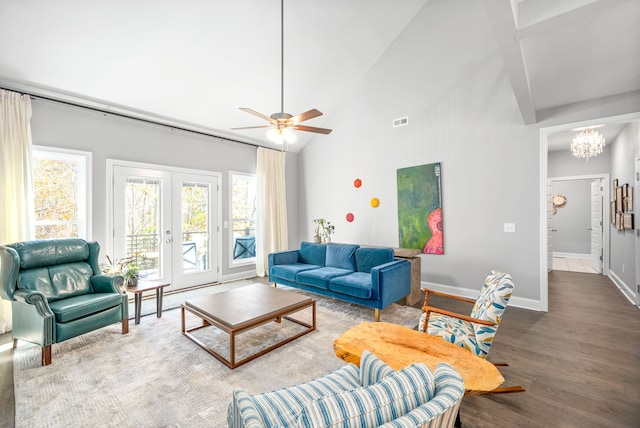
x,y
167,222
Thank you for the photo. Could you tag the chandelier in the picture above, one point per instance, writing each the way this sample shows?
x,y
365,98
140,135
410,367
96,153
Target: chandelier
x,y
587,144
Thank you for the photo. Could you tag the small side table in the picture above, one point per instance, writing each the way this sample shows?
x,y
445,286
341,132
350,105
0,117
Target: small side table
x,y
143,286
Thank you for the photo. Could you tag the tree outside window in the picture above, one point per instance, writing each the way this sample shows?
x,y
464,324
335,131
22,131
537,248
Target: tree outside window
x,y
243,216
60,193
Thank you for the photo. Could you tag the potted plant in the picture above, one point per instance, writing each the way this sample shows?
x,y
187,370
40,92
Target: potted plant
x,y
324,230
125,267
319,229
328,231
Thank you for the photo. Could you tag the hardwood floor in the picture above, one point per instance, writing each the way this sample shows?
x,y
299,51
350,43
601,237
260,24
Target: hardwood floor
x,y
580,362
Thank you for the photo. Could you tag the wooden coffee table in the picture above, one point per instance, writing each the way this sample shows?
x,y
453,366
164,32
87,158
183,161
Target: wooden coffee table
x,y
241,309
399,346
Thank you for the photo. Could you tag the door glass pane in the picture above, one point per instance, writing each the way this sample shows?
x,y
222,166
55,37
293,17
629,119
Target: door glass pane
x,y
195,227
143,234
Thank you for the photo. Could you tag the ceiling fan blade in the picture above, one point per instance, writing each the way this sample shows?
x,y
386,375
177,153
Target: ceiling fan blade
x,y
312,129
252,127
306,116
255,113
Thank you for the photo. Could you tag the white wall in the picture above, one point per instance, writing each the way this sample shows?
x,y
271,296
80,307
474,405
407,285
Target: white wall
x,y
572,222
445,73
112,137
623,250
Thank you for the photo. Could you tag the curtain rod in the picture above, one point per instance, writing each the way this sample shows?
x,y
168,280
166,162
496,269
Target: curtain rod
x,y
126,116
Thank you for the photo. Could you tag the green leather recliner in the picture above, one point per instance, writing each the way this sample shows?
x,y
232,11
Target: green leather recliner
x,y
57,291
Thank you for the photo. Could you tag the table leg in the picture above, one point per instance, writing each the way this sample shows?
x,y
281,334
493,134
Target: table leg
x,y
138,304
159,302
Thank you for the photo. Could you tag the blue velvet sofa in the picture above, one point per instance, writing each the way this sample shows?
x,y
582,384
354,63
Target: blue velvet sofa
x,y
365,276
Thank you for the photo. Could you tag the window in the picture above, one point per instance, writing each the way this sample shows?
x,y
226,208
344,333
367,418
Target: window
x,y
243,218
60,187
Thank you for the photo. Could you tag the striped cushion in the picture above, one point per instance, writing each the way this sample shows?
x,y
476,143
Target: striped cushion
x,y
442,409
282,407
391,398
373,369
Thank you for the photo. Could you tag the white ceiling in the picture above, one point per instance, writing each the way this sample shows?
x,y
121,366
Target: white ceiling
x,y
194,63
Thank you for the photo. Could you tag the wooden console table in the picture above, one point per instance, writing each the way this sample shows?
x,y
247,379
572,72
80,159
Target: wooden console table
x,y
413,257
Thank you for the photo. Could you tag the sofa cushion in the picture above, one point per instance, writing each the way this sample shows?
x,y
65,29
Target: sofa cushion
x,y
320,277
289,272
341,256
282,407
373,369
367,258
312,254
389,399
356,284
47,252
77,307
58,281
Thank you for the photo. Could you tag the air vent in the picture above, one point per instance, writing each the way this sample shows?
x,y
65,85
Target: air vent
x,y
400,122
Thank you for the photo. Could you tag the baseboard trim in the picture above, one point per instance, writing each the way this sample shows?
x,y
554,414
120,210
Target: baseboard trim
x,y
238,276
515,301
572,255
624,288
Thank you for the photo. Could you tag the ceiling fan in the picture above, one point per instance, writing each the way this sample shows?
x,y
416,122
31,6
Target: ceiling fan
x,y
281,124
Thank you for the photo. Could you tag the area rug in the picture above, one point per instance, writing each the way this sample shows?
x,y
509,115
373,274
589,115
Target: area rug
x,y
156,377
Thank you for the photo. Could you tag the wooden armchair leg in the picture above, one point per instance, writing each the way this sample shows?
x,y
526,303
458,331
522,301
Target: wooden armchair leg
x,y
46,355
15,343
377,315
507,389
125,326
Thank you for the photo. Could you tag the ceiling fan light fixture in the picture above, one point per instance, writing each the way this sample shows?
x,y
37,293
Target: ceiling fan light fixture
x,y
281,136
282,124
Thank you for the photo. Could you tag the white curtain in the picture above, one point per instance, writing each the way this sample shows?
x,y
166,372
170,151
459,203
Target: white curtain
x,y
271,230
15,178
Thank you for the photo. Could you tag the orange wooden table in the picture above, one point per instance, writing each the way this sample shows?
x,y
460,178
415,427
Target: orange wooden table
x,y
399,346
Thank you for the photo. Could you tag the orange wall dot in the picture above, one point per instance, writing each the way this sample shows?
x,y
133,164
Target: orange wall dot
x,y
357,183
375,202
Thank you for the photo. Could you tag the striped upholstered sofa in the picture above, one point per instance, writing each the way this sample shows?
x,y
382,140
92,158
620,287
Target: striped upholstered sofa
x,y
373,395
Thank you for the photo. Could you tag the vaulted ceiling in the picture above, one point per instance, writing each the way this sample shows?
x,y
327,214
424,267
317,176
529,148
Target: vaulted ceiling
x,y
194,63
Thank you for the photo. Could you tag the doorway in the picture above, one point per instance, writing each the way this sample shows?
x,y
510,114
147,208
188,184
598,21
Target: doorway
x,y
578,238
166,221
544,199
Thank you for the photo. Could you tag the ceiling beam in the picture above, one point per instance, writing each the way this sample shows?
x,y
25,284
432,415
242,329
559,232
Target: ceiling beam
x,y
504,28
566,18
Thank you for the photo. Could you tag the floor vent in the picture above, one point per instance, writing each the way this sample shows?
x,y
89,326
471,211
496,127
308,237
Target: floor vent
x,y
400,122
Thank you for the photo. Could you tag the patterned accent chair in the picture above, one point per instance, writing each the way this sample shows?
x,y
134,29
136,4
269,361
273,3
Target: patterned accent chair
x,y
474,332
57,291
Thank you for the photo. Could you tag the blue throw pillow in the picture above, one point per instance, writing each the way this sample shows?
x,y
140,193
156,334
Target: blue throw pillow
x,y
341,256
312,253
367,258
